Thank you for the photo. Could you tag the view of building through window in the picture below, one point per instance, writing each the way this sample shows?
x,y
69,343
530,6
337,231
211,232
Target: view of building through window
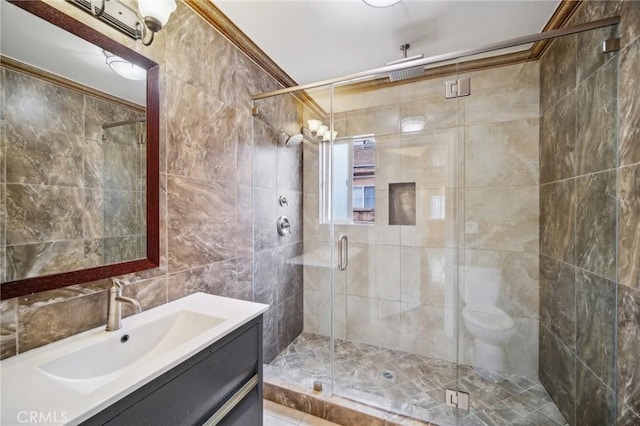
x,y
364,178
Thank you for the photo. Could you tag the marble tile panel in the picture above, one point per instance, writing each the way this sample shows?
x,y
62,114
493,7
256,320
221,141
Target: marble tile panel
x,y
589,51
429,158
202,135
596,325
8,328
629,226
517,274
121,166
558,141
557,220
630,16
216,278
24,95
558,299
289,167
438,112
3,264
190,52
270,337
39,325
265,142
98,112
594,10
289,273
93,253
558,373
39,156
317,316
121,213
505,103
373,321
201,222
384,120
428,276
502,154
120,249
244,128
628,369
251,80
595,402
245,220
373,271
32,260
436,223
93,173
523,74
596,121
628,105
265,276
43,213
243,289
503,218
150,293
596,223
266,213
557,71
93,214
290,317
626,416
428,331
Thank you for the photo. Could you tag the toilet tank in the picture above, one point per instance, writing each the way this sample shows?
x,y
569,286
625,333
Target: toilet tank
x,y
481,285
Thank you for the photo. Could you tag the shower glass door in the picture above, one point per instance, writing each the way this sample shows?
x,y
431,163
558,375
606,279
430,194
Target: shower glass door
x,y
394,197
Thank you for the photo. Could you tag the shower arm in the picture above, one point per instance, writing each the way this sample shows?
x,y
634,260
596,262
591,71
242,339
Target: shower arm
x,y
383,71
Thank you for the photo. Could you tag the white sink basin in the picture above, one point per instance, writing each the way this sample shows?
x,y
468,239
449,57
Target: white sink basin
x,y
94,366
77,377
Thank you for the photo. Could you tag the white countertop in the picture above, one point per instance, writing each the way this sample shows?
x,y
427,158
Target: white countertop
x,y
29,396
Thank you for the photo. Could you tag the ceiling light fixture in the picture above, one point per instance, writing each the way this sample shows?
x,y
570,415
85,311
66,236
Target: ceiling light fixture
x,y
381,3
124,68
316,130
412,124
154,14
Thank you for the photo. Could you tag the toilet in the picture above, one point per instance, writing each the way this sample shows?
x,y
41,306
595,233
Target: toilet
x,y
490,326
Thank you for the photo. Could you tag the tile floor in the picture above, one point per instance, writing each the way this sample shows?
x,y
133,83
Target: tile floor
x,y
279,415
413,385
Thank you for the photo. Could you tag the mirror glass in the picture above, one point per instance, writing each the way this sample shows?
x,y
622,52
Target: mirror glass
x,y
73,152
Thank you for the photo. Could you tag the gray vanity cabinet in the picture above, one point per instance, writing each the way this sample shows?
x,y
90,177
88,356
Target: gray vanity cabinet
x,y
220,385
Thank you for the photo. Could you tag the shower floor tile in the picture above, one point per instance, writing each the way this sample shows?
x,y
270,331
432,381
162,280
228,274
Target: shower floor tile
x,y
412,385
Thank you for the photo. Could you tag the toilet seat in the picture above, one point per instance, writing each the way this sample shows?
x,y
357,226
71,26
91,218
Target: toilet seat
x,y
488,317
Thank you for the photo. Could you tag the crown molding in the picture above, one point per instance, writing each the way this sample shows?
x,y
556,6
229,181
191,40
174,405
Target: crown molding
x,y
21,67
210,13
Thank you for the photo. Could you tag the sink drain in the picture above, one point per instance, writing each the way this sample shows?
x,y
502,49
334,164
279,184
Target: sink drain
x,y
125,338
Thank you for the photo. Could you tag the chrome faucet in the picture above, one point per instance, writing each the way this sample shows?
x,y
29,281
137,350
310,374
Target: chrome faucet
x,y
114,306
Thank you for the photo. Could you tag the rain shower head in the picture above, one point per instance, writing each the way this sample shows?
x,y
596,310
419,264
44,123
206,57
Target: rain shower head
x,y
406,73
291,139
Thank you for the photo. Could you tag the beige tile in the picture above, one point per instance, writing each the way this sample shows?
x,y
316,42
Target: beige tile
x,y
505,103
436,219
373,321
502,154
310,420
502,218
428,276
373,271
317,313
429,331
282,413
274,421
526,74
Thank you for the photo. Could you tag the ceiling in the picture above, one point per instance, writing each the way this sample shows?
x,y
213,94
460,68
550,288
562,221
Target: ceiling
x,y
313,40
34,41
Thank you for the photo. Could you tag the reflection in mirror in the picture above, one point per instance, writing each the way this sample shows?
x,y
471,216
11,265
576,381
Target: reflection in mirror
x,y
73,153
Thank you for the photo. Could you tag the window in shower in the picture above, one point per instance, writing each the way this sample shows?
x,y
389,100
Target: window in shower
x,y
353,189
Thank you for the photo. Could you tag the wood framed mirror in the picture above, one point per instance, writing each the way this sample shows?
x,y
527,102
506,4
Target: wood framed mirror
x,y
49,237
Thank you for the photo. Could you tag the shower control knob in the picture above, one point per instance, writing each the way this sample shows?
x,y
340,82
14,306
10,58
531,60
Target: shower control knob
x,y
284,227
283,201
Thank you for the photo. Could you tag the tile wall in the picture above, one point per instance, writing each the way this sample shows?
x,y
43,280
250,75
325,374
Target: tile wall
x,y
481,154
588,145
71,200
207,189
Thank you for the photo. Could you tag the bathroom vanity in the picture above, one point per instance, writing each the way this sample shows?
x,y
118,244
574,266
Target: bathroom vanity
x,y
197,360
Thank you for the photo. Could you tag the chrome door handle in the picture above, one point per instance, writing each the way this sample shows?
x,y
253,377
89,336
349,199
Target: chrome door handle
x,y
343,252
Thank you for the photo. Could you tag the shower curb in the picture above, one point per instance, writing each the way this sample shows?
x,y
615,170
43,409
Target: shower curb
x,y
335,409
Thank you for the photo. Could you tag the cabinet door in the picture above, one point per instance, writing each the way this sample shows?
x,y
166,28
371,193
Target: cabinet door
x,y
194,395
247,413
